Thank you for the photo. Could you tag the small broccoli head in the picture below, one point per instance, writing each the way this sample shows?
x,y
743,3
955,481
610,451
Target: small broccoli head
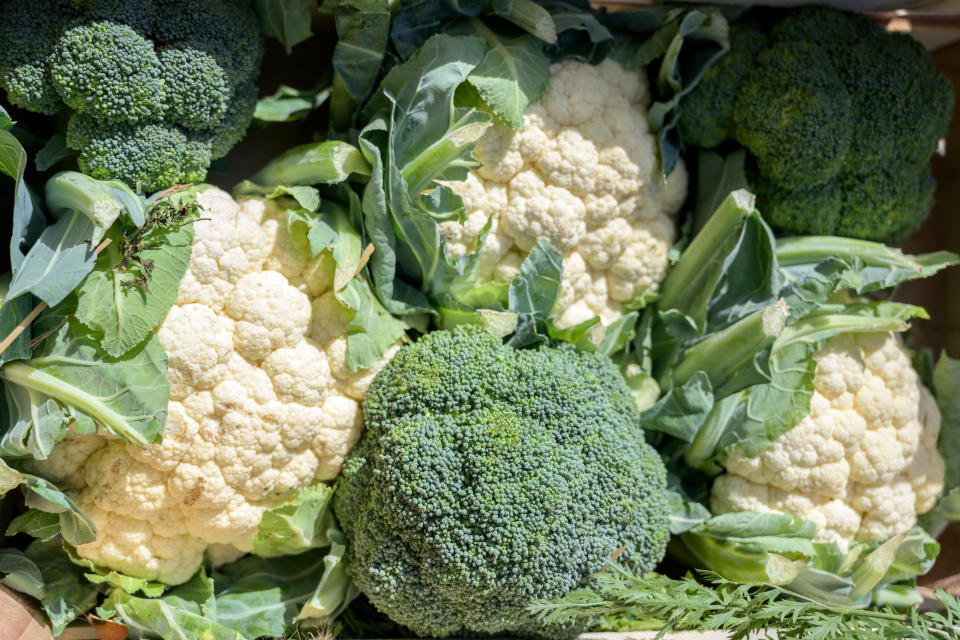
x,y
154,156
706,117
793,114
181,72
197,90
29,29
489,477
109,71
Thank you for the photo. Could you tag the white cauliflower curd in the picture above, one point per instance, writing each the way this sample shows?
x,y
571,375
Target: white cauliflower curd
x,y
863,463
583,174
262,402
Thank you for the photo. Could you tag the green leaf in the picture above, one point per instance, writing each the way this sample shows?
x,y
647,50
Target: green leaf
x,y
12,313
414,138
363,30
286,20
513,73
34,423
5,120
288,104
335,590
536,287
297,526
44,572
701,39
13,159
10,479
681,412
262,597
126,396
53,151
36,523
946,387
185,612
57,262
75,527
101,575
372,329
111,302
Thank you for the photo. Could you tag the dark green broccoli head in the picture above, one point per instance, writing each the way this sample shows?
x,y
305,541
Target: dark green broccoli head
x,y
109,71
489,477
793,114
182,72
29,30
706,119
830,99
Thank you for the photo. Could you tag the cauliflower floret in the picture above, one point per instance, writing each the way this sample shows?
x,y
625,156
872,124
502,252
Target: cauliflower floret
x,y
863,463
262,403
582,173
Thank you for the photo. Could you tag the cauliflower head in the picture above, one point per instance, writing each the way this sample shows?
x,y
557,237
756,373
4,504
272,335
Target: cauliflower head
x,y
863,463
262,402
582,173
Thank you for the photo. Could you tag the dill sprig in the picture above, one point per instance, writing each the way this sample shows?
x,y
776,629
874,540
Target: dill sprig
x,y
163,215
743,610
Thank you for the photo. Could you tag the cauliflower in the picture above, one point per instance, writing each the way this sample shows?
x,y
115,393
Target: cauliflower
x,y
262,402
863,463
583,174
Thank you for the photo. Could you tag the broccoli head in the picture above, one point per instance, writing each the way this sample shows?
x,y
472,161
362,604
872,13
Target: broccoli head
x,y
139,72
489,477
833,111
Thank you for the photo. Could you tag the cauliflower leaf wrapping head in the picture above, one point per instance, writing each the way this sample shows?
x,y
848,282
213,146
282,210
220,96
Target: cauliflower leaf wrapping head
x,y
262,402
582,173
863,464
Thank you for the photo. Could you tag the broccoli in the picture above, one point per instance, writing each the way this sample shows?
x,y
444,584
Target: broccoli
x,y
839,116
489,477
157,88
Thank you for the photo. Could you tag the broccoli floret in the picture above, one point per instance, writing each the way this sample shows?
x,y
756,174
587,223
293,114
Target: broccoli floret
x,y
155,155
108,70
835,103
29,29
489,477
887,202
173,73
793,115
707,116
235,121
198,92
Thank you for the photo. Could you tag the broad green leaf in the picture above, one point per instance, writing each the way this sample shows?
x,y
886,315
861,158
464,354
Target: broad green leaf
x,y
288,104
126,396
33,421
681,412
184,613
13,159
36,523
75,527
57,262
946,386
334,591
535,288
5,120
53,151
44,572
297,526
286,20
12,314
513,73
372,329
113,304
363,30
262,597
